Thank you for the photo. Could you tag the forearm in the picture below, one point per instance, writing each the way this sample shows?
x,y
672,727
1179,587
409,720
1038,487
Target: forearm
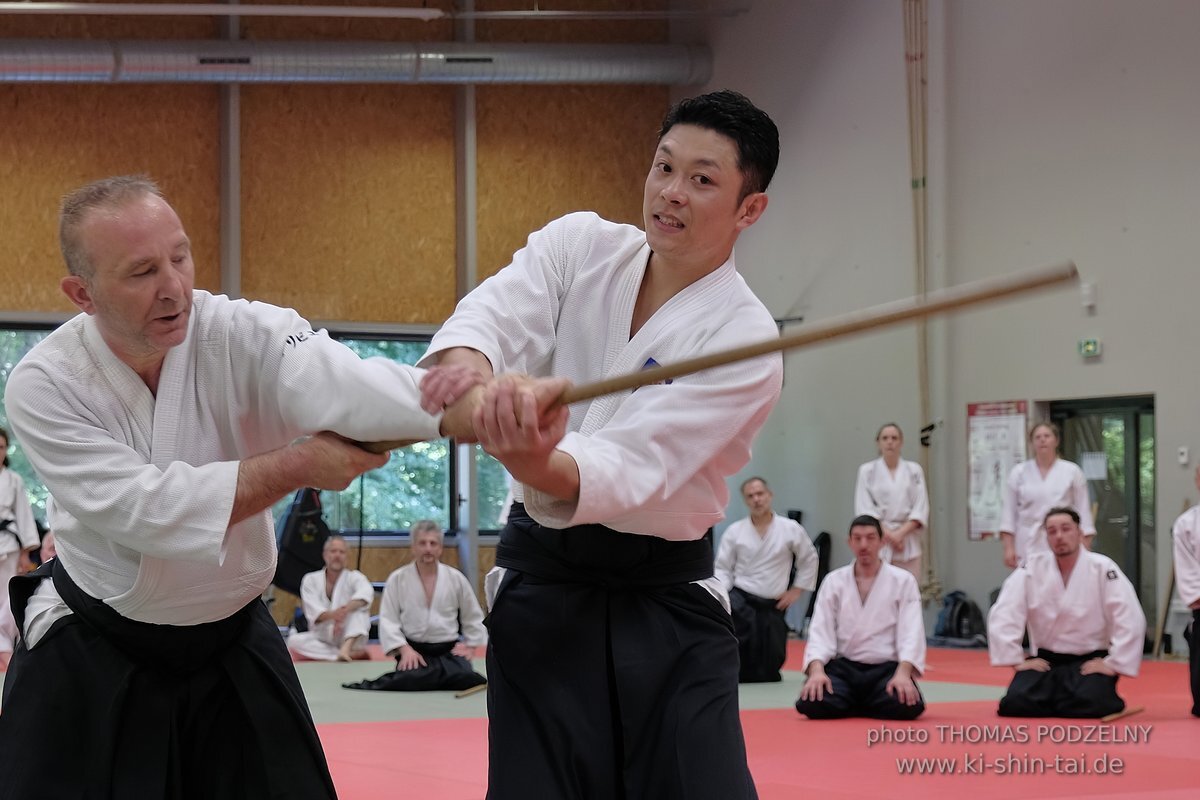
x,y
265,479
557,475
467,357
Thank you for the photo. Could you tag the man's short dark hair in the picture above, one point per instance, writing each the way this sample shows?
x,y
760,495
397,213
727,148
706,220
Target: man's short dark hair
x,y
732,114
749,481
1070,512
866,520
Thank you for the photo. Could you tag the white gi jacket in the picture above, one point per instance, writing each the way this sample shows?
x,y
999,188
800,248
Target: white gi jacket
x,y
894,499
14,505
1186,535
405,613
887,627
144,484
760,565
1028,496
1096,610
653,461
351,585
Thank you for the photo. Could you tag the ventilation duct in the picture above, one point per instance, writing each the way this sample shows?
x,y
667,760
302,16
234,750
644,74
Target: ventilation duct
x,y
217,61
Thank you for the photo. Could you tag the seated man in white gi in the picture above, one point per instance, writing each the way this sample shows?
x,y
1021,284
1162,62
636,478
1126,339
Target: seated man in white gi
x,y
866,641
1186,534
337,603
429,621
753,563
1084,621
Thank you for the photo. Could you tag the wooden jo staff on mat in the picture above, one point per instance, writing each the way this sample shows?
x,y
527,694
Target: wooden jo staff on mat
x,y
969,294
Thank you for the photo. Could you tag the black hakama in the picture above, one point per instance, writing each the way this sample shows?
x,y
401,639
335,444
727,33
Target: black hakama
x,y
1063,691
105,707
762,636
610,673
860,690
442,670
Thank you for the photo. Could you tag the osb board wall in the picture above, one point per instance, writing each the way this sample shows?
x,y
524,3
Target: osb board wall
x,y
348,191
348,200
544,151
55,138
377,564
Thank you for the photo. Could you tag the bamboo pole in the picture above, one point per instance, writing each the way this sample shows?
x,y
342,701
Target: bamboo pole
x,y
938,302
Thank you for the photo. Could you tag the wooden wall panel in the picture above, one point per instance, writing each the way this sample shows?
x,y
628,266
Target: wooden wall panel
x,y
548,150
55,138
100,27
348,200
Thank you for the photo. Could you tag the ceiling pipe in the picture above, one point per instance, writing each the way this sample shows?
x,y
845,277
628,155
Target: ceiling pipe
x,y
379,12
224,61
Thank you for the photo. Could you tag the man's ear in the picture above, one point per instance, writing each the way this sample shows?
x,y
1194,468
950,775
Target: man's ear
x,y
77,291
751,209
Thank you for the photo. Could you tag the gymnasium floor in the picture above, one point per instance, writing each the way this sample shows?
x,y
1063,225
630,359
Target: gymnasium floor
x,y
384,745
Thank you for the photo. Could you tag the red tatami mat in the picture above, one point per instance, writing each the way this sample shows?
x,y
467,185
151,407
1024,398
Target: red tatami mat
x,y
792,757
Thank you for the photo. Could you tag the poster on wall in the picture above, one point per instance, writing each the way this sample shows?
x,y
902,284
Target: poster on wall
x,y
995,444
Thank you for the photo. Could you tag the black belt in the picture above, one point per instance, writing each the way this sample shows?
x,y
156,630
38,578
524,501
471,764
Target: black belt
x,y
600,555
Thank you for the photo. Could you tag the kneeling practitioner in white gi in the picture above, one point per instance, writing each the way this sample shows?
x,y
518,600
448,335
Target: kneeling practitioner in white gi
x,y
1084,621
429,621
754,560
337,605
866,642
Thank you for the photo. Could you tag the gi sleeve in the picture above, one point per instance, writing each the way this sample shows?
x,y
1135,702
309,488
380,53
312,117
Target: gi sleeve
x,y
1007,619
312,597
822,629
362,589
511,317
391,637
919,495
1012,493
864,503
470,615
1187,559
806,559
1126,622
910,625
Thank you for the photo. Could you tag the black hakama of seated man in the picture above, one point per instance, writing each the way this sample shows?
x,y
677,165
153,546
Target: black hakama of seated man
x,y
442,670
762,636
1063,691
860,690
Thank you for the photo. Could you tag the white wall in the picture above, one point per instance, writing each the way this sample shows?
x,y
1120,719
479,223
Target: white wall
x,y
1059,129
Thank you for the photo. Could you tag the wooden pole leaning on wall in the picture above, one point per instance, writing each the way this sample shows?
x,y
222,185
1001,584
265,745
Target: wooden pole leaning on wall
x,y
938,302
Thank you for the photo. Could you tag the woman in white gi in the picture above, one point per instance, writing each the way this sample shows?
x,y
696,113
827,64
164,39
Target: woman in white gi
x,y
1033,488
893,491
18,538
1186,534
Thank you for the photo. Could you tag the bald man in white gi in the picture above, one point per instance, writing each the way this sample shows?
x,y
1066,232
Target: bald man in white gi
x,y
866,641
337,605
1085,625
429,621
754,562
1186,534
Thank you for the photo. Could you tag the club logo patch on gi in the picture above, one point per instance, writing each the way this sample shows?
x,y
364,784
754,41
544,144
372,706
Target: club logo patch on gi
x,y
296,338
651,364
1111,574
